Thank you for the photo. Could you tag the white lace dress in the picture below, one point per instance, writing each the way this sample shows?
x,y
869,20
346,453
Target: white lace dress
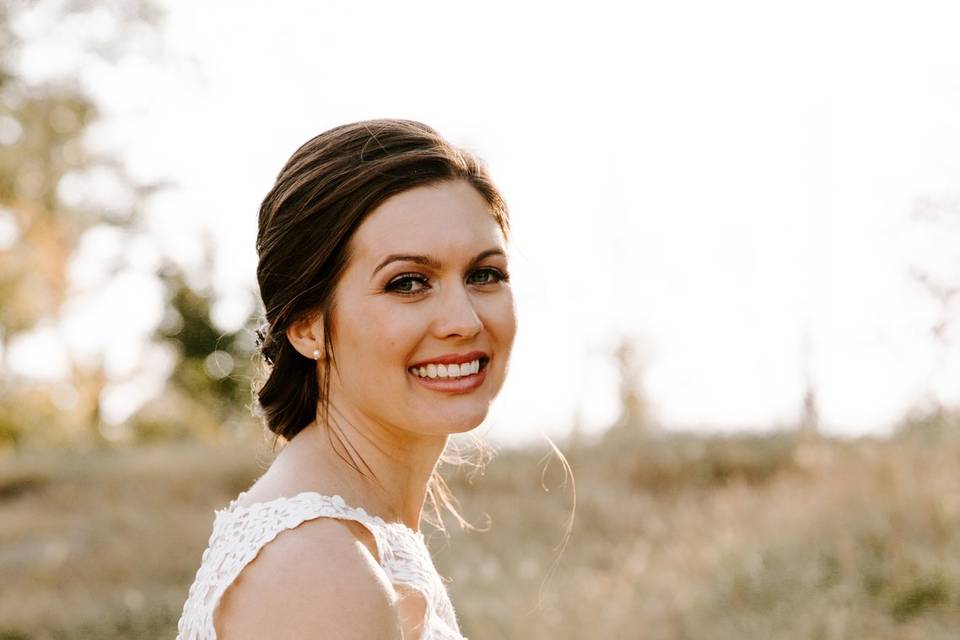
x,y
239,533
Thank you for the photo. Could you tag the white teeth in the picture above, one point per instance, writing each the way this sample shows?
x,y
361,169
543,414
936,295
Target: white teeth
x,y
447,371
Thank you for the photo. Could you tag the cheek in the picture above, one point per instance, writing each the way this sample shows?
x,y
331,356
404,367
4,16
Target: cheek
x,y
387,344
503,319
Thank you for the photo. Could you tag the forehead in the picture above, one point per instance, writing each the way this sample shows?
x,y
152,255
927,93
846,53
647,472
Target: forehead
x,y
449,216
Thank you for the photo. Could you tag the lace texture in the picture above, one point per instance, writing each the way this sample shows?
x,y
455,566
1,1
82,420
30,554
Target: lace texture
x,y
240,532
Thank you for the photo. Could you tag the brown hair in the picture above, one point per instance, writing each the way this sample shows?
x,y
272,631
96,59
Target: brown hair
x,y
320,198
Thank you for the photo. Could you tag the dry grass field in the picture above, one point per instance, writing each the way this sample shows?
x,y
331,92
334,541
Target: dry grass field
x,y
674,537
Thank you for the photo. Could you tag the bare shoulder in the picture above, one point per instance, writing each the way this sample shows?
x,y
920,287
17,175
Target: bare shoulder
x,y
316,580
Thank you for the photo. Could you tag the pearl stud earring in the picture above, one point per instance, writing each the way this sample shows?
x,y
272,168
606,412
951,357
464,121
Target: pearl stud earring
x,y
316,353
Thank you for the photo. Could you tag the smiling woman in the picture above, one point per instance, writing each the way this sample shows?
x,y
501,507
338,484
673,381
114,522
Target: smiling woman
x,y
390,321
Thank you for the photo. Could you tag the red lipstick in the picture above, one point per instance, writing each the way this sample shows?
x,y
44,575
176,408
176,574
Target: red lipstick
x,y
464,384
453,358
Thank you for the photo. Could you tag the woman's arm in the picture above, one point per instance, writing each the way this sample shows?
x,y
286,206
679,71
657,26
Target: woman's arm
x,y
314,581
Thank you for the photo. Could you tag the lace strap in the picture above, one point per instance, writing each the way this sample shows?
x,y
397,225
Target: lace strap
x,y
240,532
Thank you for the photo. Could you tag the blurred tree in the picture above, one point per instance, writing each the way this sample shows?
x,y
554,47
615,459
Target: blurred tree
x,y
937,271
576,438
809,413
209,389
939,277
635,411
42,152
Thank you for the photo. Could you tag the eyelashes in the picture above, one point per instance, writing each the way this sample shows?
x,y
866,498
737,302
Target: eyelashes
x,y
396,285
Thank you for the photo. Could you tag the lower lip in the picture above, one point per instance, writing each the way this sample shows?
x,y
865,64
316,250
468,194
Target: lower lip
x,y
456,385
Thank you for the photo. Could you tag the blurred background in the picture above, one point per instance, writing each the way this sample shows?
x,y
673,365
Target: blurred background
x,y
736,258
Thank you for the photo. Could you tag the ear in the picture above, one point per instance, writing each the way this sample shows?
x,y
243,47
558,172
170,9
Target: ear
x,y
306,336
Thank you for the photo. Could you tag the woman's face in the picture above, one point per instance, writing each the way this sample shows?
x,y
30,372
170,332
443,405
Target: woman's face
x,y
392,314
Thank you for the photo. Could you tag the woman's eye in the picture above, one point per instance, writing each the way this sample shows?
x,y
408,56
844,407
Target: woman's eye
x,y
401,283
497,275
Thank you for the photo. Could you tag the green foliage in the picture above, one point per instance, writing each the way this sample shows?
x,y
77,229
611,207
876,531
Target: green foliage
x,y
923,595
214,370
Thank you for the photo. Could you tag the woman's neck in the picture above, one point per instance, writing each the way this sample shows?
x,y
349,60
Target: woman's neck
x,y
388,479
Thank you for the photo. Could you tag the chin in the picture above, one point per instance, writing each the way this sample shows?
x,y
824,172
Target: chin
x,y
466,428
455,423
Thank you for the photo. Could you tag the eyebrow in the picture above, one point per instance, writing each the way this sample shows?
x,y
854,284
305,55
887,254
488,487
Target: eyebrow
x,y
431,261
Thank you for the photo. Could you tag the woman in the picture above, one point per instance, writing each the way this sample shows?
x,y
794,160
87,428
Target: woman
x,y
390,321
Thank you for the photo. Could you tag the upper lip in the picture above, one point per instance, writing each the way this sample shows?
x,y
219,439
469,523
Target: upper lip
x,y
452,358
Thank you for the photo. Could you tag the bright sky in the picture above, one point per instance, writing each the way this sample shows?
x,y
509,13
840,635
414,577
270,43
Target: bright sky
x,y
717,180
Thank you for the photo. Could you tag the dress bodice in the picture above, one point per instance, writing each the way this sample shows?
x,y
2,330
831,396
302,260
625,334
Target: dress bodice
x,y
239,532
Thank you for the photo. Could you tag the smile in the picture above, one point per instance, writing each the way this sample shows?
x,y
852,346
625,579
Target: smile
x,y
449,371
456,378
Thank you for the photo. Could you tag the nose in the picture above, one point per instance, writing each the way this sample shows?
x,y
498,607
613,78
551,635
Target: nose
x,y
457,314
